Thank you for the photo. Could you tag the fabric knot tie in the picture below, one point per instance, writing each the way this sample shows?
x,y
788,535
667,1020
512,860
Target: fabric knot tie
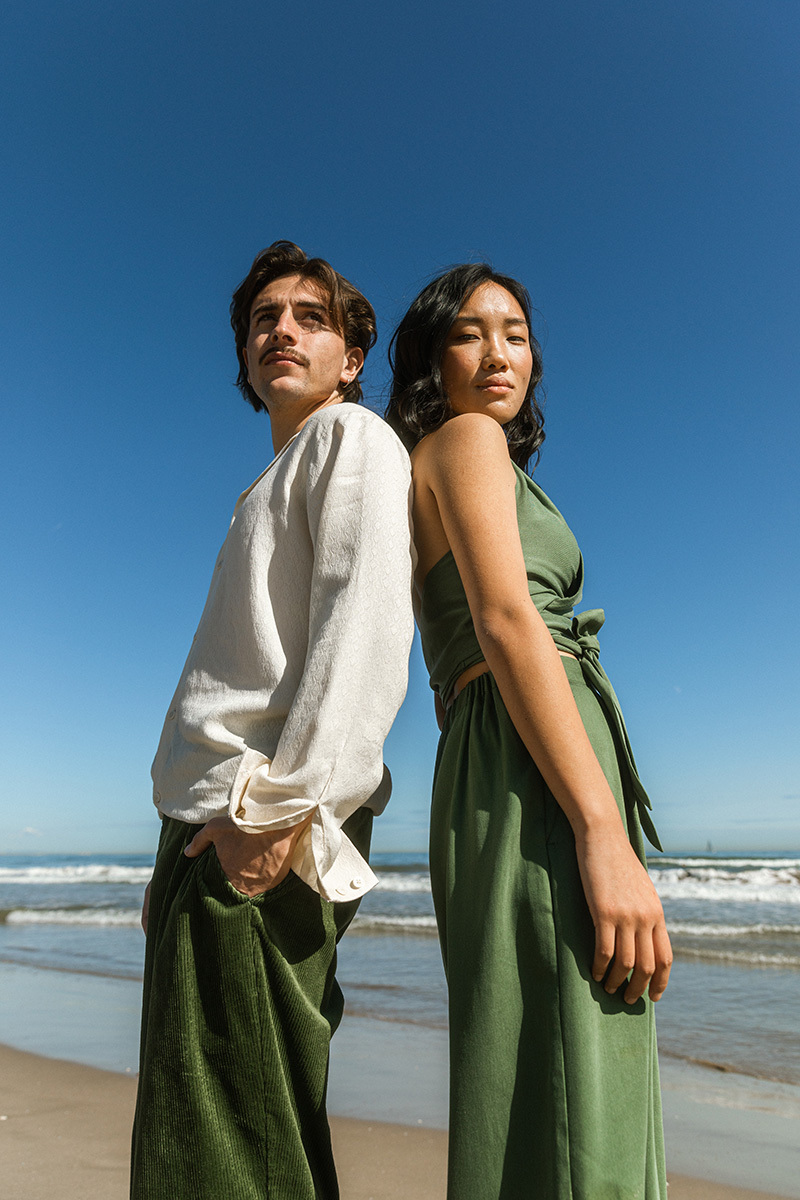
x,y
585,628
584,646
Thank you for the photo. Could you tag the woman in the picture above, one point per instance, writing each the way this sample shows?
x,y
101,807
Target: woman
x,y
552,934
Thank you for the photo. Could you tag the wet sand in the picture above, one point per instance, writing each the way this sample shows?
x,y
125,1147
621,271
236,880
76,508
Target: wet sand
x,y
65,1132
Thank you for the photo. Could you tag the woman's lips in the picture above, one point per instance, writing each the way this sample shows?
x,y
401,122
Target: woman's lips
x,y
496,385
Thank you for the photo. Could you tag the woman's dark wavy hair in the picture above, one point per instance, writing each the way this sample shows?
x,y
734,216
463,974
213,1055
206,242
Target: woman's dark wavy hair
x,y
352,315
418,403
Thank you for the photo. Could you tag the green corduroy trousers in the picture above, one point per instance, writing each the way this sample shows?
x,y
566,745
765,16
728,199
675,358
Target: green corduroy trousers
x,y
240,1002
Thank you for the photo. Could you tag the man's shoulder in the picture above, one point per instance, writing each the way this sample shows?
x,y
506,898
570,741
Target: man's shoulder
x,y
351,423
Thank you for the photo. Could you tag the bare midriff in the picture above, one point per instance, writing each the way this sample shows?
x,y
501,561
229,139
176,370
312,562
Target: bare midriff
x,y
478,669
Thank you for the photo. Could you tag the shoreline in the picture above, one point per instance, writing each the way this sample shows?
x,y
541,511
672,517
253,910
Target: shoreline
x,y
120,981
65,1130
724,1128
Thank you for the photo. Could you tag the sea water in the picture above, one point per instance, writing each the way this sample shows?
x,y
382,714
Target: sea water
x,y
733,1001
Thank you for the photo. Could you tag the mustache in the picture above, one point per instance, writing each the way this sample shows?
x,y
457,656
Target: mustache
x,y
285,352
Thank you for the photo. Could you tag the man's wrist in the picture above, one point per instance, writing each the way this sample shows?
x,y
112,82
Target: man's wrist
x,y
277,835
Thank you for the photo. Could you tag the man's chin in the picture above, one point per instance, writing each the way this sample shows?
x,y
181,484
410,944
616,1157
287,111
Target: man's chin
x,y
284,391
297,397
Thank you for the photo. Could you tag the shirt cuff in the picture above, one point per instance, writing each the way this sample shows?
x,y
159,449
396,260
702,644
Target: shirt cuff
x,y
324,856
350,876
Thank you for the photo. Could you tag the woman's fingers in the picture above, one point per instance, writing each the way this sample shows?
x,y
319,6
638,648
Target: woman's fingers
x,y
663,956
643,969
641,956
604,940
624,958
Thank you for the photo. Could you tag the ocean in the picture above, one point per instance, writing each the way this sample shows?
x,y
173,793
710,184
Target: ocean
x,y
732,1003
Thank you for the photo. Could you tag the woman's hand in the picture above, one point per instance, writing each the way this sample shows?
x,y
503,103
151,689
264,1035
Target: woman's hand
x,y
630,935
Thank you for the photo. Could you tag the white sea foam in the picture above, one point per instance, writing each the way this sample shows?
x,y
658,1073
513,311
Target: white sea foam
x,y
697,929
741,958
399,881
776,885
88,873
691,863
367,921
130,917
750,880
73,916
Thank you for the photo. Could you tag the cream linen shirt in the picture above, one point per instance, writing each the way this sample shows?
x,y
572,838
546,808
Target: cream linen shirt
x,y
300,660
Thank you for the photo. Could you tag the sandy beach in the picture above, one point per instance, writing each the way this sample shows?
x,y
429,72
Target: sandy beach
x,y
71,952
65,1129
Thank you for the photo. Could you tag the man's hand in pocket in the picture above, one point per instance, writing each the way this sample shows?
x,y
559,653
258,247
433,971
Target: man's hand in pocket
x,y
253,862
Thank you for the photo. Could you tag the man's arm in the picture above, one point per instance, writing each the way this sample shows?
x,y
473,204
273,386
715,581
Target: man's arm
x,y
328,761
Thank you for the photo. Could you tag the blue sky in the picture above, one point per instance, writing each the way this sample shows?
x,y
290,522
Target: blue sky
x,y
635,165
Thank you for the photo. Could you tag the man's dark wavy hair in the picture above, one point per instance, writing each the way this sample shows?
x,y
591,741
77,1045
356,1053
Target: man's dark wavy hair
x,y
418,403
352,314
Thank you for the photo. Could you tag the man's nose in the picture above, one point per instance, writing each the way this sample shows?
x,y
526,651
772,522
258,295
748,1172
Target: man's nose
x,y
285,328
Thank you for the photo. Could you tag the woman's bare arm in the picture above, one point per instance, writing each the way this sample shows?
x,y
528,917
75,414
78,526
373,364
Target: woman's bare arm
x,y
465,468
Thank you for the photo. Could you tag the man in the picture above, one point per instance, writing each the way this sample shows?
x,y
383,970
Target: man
x,y
269,769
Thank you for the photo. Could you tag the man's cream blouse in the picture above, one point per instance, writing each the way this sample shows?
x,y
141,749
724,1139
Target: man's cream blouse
x,y
300,660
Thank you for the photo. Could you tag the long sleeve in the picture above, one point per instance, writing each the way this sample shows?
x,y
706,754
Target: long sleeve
x,y
328,760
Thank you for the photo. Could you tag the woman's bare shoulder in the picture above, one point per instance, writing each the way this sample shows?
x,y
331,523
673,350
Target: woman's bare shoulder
x,y
465,438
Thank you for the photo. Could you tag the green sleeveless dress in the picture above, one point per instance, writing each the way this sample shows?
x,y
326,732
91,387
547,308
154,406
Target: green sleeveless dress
x,y
554,1091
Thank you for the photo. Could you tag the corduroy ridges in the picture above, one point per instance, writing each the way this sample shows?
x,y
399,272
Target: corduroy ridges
x,y
240,1002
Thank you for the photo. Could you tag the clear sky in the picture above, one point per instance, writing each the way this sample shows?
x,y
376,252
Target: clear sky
x,y
634,164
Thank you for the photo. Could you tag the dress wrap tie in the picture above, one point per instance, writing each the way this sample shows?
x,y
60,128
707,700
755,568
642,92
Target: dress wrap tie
x,y
583,644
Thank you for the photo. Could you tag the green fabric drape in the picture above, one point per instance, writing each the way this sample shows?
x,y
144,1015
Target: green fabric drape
x,y
555,570
554,1090
584,645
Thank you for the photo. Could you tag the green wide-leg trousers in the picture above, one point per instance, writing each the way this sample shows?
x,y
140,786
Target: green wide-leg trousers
x,y
240,1002
554,1084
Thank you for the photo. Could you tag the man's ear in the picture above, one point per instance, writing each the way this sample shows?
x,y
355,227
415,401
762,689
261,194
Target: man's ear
x,y
246,363
353,362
